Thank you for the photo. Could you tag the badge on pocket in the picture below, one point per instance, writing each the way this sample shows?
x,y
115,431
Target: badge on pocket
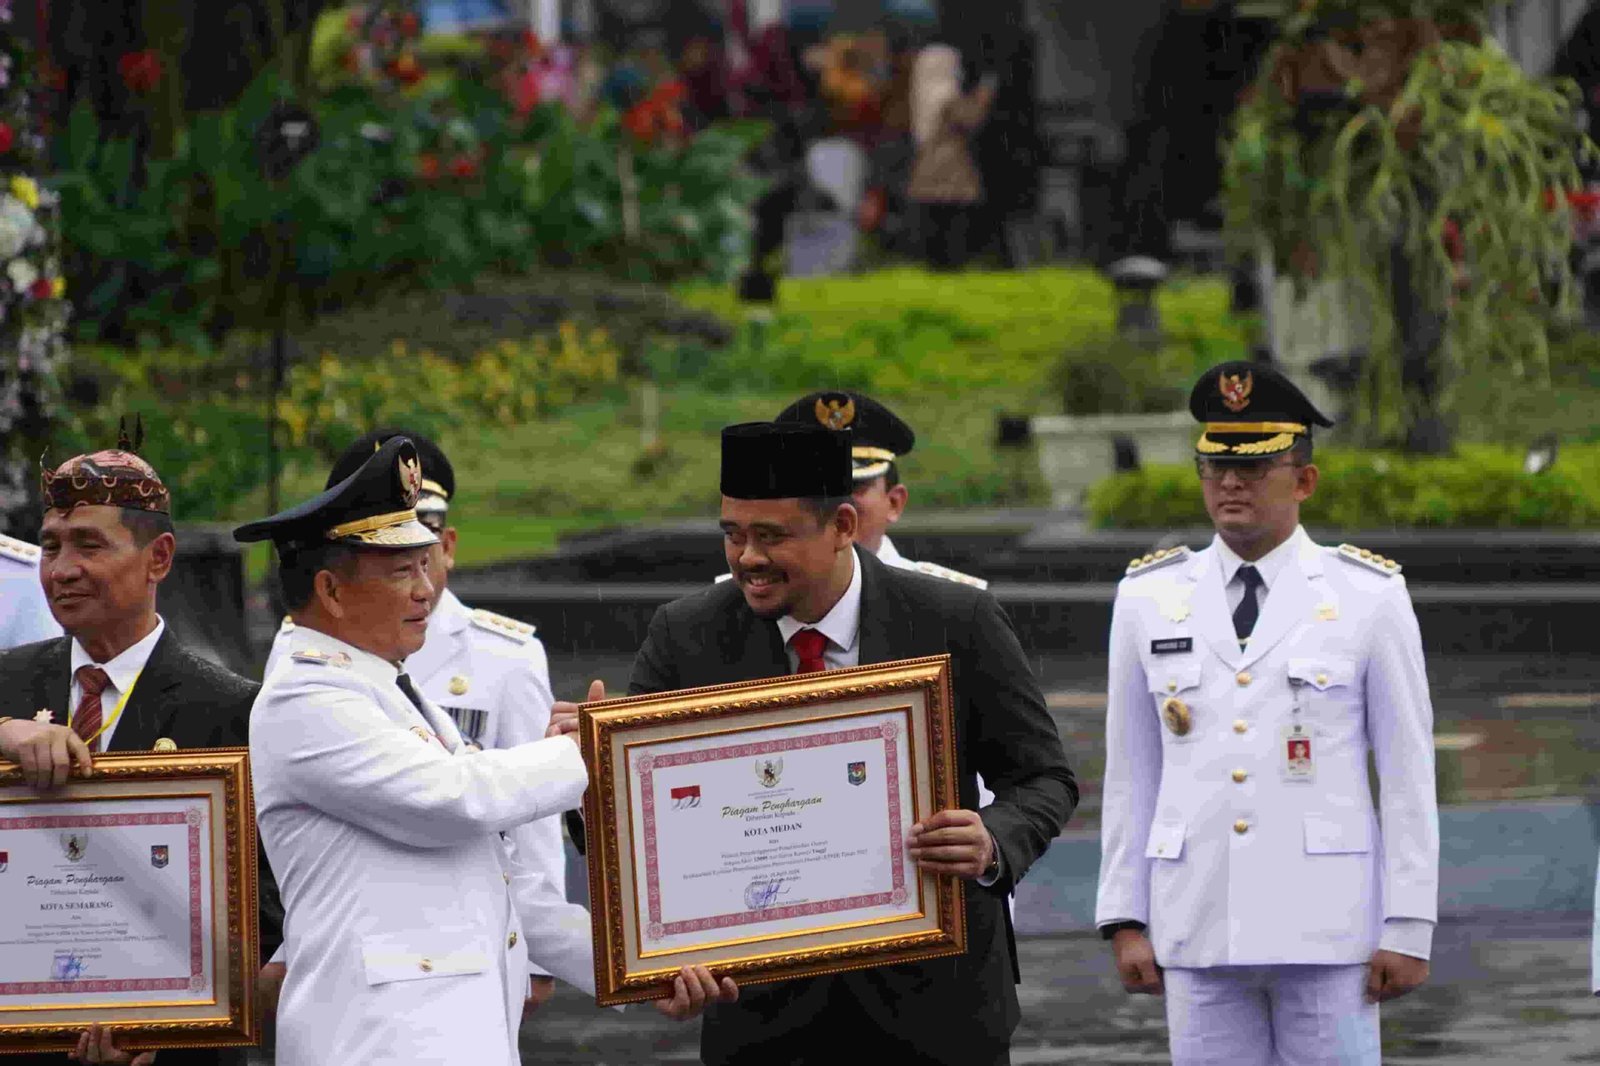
x,y
1298,753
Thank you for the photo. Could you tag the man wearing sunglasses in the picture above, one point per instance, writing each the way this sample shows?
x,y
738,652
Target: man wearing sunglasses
x,y
1247,873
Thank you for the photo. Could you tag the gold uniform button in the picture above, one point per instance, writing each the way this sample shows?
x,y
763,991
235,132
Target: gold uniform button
x,y
512,942
1322,679
1241,827
1240,725
506,878
1243,678
426,965
1239,776
1172,686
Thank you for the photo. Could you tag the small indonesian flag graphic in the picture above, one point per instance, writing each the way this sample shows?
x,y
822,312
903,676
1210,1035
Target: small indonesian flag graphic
x,y
685,796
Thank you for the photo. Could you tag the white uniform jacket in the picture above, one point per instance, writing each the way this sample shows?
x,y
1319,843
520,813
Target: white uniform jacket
x,y
409,921
1207,837
490,674
24,612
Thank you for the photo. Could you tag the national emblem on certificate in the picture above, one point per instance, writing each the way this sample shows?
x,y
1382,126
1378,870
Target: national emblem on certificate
x,y
129,899
760,828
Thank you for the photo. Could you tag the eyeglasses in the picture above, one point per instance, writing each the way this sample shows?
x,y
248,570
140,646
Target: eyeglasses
x,y
1243,469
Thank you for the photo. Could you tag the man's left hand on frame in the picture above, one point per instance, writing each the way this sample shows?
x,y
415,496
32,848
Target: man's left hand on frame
x,y
97,1044
693,990
952,842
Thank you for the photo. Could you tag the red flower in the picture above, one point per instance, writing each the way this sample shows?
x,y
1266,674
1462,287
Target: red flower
x,y
8,137
410,24
428,166
405,69
41,289
531,43
657,113
141,71
463,167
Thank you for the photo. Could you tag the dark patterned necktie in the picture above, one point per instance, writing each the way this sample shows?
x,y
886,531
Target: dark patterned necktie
x,y
1249,609
808,645
404,681
87,718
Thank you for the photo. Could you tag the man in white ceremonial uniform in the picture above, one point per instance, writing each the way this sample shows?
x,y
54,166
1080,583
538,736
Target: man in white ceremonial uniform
x,y
409,917
489,673
1246,873
24,612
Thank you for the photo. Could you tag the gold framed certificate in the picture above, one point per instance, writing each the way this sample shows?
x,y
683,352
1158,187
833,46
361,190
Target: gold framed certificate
x,y
760,828
129,899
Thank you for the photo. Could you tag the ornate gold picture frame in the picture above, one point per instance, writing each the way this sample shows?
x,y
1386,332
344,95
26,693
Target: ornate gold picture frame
x,y
759,828
130,899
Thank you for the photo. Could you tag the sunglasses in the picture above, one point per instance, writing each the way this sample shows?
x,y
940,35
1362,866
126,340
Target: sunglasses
x,y
1243,469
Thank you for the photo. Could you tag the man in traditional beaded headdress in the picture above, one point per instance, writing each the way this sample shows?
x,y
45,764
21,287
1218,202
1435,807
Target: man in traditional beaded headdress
x,y
118,680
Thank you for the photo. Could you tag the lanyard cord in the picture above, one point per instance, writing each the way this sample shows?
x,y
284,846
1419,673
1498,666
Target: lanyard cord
x,y
116,712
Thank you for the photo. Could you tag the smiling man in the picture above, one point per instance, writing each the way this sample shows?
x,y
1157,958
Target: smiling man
x,y
118,680
804,598
1245,873
410,919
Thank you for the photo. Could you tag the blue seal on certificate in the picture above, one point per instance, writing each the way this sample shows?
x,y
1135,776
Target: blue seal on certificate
x,y
68,966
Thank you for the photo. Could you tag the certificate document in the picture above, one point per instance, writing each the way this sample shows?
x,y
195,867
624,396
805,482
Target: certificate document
x,y
765,834
109,905
129,898
760,828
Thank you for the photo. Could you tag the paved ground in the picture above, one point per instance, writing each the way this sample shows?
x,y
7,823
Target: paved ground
x,y
1507,993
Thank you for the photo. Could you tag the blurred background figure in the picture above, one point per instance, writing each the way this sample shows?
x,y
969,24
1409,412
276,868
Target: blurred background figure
x,y
945,185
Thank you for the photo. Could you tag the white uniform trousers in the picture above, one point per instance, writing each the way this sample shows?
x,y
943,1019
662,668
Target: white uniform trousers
x,y
1280,1015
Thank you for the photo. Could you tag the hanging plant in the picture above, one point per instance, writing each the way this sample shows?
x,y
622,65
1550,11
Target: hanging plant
x,y
1395,146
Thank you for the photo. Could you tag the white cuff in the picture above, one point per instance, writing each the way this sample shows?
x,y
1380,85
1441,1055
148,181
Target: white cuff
x,y
1407,936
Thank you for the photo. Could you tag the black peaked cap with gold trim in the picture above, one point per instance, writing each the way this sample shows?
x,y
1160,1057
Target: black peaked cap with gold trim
x,y
375,507
438,476
1250,411
878,435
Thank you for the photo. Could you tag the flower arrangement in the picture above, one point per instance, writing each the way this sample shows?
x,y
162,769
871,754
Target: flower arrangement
x,y
1393,144
33,305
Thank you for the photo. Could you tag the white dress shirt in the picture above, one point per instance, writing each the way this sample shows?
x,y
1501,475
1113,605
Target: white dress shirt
x,y
1269,566
841,625
122,671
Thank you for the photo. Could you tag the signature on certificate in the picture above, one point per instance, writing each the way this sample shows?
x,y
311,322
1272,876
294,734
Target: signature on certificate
x,y
67,966
760,895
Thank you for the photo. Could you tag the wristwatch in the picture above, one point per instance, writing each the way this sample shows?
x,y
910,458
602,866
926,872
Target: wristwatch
x,y
1109,931
990,872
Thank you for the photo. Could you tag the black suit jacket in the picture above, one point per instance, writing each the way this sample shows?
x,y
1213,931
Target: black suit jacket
x,y
955,1010
180,696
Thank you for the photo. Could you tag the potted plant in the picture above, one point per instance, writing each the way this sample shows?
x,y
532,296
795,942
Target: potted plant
x,y
1393,146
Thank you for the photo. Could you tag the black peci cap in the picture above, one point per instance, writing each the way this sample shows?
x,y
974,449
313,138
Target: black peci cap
x,y
778,460
1250,410
374,507
878,435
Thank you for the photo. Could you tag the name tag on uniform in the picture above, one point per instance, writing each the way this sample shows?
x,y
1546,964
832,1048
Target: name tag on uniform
x,y
1298,753
1171,646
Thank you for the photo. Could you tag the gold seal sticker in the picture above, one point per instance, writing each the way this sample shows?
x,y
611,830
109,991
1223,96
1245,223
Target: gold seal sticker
x,y
458,686
1175,713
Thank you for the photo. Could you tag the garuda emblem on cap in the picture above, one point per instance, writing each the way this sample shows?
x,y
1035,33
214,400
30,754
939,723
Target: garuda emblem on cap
x,y
836,414
410,480
1235,389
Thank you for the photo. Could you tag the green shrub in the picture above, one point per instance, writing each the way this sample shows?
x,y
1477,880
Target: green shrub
x,y
907,331
1483,487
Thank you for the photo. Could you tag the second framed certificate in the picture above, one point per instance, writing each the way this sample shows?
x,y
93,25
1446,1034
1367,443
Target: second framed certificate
x,y
760,828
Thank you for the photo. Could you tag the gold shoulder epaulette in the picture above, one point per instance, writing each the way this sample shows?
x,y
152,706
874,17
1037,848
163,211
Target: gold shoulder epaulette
x,y
326,658
1156,560
1368,559
20,550
510,628
935,570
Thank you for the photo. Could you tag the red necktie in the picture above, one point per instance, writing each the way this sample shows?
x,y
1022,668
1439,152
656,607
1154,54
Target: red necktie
x,y
86,719
808,644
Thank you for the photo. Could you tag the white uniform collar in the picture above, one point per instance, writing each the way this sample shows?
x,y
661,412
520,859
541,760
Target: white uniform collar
x,y
1269,566
449,615
365,663
840,625
888,553
126,666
